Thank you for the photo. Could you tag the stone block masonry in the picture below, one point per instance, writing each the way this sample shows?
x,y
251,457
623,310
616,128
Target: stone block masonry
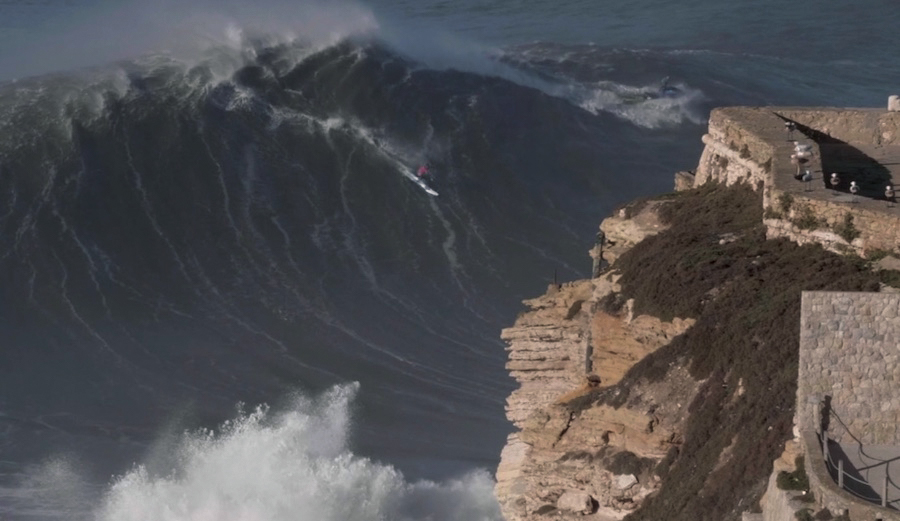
x,y
850,352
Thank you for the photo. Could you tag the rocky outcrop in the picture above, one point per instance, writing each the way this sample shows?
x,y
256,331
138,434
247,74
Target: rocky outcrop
x,y
620,342
576,456
591,448
778,504
628,227
605,453
545,348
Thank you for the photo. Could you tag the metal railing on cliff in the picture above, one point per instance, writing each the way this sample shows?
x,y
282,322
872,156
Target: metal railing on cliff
x,y
835,465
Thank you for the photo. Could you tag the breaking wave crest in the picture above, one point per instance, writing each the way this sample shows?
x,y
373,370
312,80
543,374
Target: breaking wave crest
x,y
295,465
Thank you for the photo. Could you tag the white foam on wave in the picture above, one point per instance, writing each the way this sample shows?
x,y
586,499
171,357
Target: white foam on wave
x,y
641,105
290,465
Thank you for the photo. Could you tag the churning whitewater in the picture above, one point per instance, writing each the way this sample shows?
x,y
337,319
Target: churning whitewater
x,y
289,465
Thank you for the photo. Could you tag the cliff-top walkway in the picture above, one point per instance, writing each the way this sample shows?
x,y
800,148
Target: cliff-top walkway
x,y
862,146
865,468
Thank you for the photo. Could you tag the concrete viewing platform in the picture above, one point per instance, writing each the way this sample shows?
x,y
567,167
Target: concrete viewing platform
x,y
871,167
844,144
865,469
773,147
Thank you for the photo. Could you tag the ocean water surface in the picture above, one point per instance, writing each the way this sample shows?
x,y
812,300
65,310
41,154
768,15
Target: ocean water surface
x,y
222,296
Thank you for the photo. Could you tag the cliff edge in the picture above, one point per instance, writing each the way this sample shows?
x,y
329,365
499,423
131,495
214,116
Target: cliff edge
x,y
664,387
595,461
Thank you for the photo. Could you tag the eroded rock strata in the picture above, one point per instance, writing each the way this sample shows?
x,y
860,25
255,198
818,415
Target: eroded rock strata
x,y
572,459
664,387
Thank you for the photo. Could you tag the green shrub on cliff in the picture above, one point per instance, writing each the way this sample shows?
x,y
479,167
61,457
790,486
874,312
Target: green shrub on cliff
x,y
745,296
804,514
796,480
845,228
805,219
785,200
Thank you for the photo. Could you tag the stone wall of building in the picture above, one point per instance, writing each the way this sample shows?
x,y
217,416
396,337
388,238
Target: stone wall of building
x,y
871,231
849,352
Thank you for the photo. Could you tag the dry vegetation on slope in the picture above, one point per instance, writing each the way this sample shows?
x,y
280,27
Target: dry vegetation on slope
x,y
714,264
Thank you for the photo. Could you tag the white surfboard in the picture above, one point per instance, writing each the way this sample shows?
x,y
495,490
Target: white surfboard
x,y
419,181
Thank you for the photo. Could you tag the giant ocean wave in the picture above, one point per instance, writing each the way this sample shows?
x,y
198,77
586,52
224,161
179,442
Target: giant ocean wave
x,y
177,236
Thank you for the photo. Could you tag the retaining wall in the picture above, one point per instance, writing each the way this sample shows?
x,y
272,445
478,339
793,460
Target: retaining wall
x,y
849,351
750,145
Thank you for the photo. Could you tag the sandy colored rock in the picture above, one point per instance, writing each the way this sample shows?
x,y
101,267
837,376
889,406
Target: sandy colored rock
x,y
622,233
565,348
625,481
575,501
618,344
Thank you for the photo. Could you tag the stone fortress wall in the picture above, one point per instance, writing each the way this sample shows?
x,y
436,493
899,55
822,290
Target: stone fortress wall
x,y
849,372
849,352
751,145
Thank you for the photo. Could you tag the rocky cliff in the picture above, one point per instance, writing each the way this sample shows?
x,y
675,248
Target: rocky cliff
x,y
596,462
663,387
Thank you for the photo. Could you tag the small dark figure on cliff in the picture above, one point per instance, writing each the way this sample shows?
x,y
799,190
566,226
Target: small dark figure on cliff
x,y
597,254
790,126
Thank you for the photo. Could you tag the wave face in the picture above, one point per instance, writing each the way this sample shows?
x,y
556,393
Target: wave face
x,y
233,222
180,236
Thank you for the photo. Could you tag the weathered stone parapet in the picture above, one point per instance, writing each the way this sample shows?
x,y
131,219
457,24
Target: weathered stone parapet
x,y
722,164
751,145
826,492
858,125
785,229
870,231
849,352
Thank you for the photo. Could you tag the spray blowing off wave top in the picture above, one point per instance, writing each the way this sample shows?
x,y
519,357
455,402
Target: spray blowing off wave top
x,y
294,465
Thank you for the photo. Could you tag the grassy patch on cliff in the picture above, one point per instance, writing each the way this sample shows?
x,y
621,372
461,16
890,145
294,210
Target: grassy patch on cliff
x,y
744,292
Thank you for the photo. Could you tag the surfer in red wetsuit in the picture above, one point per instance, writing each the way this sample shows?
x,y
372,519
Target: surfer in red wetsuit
x,y
423,171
